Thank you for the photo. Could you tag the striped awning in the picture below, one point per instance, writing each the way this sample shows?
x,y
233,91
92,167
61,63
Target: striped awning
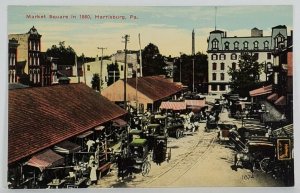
x,y
45,159
261,91
273,97
173,105
281,101
195,103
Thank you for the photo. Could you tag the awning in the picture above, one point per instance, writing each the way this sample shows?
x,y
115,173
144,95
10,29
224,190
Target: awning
x,y
173,105
66,147
281,101
99,128
195,103
286,131
119,123
45,159
261,91
85,134
273,97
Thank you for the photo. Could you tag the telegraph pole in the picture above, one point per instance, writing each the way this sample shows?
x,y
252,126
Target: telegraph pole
x,y
126,37
180,60
100,77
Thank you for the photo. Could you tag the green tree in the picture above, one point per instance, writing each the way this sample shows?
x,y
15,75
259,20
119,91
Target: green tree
x,y
113,69
65,55
200,70
95,82
246,77
153,61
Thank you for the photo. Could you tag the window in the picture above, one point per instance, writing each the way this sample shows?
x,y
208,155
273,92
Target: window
x,y
233,66
245,45
255,45
214,76
222,66
214,87
226,44
278,40
214,66
222,76
269,56
266,45
215,44
88,67
222,87
122,68
214,57
222,56
236,45
233,56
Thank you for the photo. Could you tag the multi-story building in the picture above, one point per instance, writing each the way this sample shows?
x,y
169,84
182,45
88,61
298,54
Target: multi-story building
x,y
132,60
224,52
12,60
29,51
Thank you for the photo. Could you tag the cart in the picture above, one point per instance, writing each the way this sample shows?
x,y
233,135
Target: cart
x,y
160,150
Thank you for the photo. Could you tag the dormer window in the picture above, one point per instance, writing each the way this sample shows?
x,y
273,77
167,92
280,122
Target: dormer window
x,y
215,44
266,45
236,45
226,44
246,45
255,45
279,40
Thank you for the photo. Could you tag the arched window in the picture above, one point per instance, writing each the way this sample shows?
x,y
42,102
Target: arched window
x,y
233,56
34,76
246,45
236,45
226,45
279,39
38,75
222,57
255,45
214,66
266,45
222,66
214,76
222,76
30,76
214,57
215,44
14,76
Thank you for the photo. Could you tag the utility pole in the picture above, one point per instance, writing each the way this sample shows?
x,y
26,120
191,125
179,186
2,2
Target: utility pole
x,y
83,68
180,60
100,77
126,37
141,66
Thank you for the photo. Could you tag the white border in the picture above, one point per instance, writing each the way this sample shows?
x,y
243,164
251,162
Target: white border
x,y
4,87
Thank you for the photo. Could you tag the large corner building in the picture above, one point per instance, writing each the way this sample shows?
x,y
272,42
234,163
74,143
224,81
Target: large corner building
x,y
224,52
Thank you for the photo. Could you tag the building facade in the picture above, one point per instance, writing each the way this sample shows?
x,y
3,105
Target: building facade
x,y
224,53
12,60
29,52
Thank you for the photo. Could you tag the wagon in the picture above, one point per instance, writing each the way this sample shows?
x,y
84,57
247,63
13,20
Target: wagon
x,y
224,130
138,152
160,152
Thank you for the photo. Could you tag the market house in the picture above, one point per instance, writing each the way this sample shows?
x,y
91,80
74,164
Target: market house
x,y
48,125
148,92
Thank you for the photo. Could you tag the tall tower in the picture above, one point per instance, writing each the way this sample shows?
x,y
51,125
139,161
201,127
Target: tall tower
x,y
193,42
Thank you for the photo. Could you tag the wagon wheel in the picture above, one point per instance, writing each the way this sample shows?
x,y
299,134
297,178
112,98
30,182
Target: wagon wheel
x,y
264,164
146,168
178,133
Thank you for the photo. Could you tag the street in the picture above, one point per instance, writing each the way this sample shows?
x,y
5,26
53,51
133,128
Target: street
x,y
198,160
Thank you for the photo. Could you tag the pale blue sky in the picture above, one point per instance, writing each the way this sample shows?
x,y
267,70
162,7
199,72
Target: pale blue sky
x,y
168,27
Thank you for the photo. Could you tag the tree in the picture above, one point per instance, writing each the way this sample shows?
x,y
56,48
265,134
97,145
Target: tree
x,y
200,70
65,55
153,61
113,73
95,82
246,77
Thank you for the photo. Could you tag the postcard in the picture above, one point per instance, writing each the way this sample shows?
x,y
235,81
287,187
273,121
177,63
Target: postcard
x,y
150,96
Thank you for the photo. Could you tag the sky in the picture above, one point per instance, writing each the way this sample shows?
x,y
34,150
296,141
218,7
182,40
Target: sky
x,y
170,28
